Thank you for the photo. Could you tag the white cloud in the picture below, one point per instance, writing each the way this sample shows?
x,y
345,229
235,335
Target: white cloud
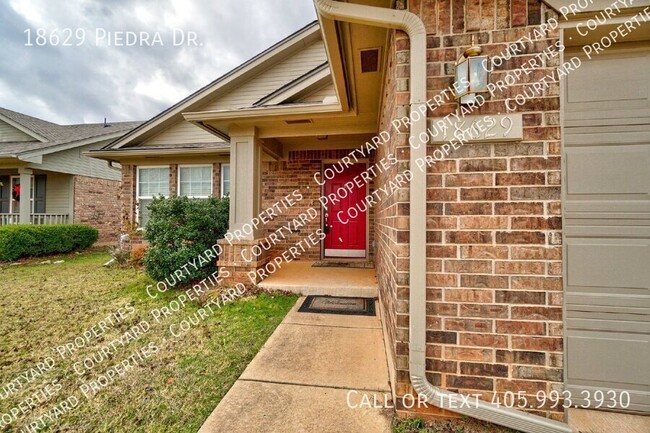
x,y
160,89
88,83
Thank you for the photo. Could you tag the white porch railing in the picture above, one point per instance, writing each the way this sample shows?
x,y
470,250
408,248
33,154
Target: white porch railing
x,y
36,219
48,218
8,218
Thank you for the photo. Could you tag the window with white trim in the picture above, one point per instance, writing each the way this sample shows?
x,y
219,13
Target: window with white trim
x,y
195,181
152,182
225,180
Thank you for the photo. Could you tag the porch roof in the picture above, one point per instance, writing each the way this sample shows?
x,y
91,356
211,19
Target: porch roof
x,y
358,89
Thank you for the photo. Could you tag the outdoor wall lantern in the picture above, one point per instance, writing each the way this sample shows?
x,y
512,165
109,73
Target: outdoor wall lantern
x,y
471,75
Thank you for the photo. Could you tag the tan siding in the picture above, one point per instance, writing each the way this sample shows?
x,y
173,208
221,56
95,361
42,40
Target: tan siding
x,y
182,133
8,133
74,162
263,84
273,78
320,94
57,193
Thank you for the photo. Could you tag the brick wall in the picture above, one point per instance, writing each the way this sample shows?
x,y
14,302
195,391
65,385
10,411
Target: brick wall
x,y
127,191
96,204
173,180
281,178
494,285
127,198
391,232
216,180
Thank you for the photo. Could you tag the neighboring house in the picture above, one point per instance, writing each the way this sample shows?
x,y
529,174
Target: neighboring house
x,y
519,262
47,180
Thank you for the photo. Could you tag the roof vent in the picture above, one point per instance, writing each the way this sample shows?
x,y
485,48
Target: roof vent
x,y
370,60
106,124
297,121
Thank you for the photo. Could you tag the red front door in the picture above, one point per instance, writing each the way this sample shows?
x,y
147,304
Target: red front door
x,y
345,220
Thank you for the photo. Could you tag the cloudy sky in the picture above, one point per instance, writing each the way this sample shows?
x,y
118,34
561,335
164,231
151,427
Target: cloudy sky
x,y
85,71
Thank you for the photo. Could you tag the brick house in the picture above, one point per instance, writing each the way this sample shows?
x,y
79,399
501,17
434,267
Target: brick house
x,y
508,229
65,186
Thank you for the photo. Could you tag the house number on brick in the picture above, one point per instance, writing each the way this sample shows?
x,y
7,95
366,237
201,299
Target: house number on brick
x,y
479,129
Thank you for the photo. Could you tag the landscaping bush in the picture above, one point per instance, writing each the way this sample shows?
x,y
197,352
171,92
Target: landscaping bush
x,y
28,240
179,229
137,255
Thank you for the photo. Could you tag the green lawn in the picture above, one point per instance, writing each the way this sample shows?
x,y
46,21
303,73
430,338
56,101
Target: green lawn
x,y
174,390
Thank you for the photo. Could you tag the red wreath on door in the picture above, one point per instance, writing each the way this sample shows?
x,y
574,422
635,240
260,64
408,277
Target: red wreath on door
x,y
15,193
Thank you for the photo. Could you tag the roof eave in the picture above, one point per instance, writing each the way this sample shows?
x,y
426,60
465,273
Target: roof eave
x,y
23,128
31,154
118,154
330,36
316,77
260,113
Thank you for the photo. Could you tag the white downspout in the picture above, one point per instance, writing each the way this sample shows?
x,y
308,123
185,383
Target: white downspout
x,y
413,26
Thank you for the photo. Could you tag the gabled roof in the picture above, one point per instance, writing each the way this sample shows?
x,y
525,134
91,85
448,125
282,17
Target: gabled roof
x,y
50,137
222,85
313,79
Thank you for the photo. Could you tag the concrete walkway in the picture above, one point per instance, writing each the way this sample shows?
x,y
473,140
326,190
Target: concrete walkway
x,y
304,376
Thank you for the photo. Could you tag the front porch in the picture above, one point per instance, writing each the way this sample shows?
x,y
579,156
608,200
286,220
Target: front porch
x,y
38,197
303,278
35,218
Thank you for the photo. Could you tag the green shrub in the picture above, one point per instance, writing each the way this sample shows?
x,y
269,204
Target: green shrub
x,y
179,229
28,240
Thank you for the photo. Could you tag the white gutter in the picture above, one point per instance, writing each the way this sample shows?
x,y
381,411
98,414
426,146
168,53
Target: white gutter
x,y
413,26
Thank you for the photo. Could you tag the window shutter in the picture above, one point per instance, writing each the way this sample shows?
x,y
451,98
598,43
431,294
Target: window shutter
x,y
5,194
39,193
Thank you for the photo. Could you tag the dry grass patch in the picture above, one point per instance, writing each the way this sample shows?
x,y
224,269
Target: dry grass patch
x,y
462,425
44,306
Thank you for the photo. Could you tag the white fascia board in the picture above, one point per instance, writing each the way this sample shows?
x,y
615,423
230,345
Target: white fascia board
x,y
35,159
114,155
334,59
316,80
69,145
262,112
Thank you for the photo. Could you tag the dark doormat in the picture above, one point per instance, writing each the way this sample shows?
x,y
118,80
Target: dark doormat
x,y
328,264
338,305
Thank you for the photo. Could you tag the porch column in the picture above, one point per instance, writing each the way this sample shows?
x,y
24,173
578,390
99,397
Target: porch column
x,y
239,256
245,160
25,188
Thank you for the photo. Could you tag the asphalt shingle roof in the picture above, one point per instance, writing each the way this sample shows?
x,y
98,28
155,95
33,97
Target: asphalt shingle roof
x,y
57,134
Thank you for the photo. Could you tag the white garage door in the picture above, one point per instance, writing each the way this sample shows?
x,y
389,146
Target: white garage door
x,y
607,227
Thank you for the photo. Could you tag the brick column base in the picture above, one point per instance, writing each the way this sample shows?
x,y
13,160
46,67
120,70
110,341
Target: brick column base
x,y
236,258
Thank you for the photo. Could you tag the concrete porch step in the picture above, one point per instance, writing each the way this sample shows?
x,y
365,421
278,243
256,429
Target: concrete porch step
x,y
304,279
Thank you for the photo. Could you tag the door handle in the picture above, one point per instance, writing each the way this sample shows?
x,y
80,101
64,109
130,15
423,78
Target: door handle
x,y
326,226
